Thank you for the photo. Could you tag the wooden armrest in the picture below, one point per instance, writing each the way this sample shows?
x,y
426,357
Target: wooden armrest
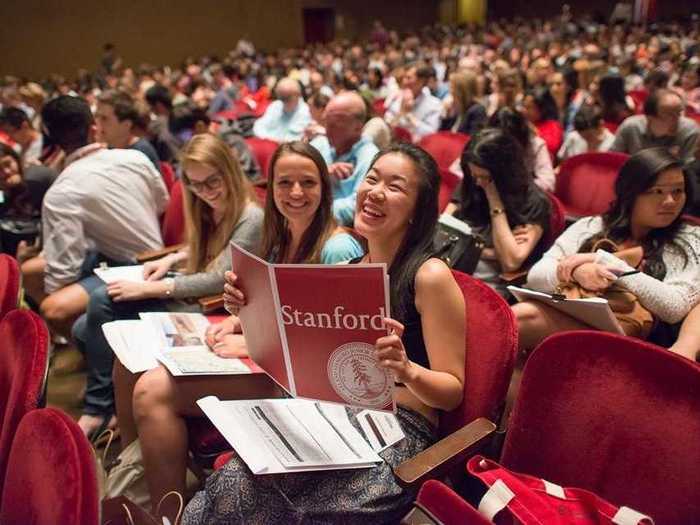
x,y
438,459
152,255
518,276
260,183
211,303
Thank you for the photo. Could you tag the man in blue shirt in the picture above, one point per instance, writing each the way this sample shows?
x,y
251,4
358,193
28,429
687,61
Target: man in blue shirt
x,y
347,153
287,117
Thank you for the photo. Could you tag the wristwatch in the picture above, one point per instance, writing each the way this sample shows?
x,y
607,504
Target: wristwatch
x,y
497,211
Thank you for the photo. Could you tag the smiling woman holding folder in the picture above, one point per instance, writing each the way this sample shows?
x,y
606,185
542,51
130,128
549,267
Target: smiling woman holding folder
x,y
396,213
650,195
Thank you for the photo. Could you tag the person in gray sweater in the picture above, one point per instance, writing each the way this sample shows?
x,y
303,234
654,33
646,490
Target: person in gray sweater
x,y
219,208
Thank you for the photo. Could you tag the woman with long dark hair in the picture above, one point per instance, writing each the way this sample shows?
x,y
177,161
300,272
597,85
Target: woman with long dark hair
x,y
541,111
500,201
396,213
609,93
651,193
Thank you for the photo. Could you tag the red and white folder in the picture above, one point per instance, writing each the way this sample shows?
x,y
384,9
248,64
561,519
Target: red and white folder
x,y
313,327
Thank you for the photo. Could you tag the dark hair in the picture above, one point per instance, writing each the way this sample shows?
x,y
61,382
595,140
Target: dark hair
x,y
6,150
67,120
159,94
611,89
123,105
651,104
276,237
185,117
417,243
502,155
587,117
13,117
514,123
319,100
545,103
636,176
656,79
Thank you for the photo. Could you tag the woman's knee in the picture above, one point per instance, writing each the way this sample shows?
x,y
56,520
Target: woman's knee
x,y
153,389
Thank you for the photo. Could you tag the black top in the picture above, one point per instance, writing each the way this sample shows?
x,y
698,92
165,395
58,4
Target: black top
x,y
413,330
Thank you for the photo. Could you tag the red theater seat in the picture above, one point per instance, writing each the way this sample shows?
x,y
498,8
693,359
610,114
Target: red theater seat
x,y
23,369
51,477
10,277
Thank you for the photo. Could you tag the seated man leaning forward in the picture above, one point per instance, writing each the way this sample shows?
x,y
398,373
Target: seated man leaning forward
x,y
103,207
347,153
287,117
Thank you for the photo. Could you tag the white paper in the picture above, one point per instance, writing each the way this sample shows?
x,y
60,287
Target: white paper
x,y
194,360
132,343
120,273
381,429
593,311
290,435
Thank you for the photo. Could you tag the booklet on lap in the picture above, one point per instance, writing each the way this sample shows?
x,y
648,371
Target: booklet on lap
x,y
313,327
174,339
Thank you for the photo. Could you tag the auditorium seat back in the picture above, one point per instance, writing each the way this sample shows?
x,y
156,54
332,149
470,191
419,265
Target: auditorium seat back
x,y
51,477
613,415
23,369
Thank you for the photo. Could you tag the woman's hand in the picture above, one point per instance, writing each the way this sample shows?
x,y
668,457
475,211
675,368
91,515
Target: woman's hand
x,y
155,270
216,332
231,346
486,183
392,354
234,298
594,277
132,291
568,264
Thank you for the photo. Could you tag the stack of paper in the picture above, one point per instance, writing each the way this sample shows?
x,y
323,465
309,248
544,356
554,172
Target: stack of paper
x,y
120,273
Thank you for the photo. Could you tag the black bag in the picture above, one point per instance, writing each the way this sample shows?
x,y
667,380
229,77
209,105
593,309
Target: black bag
x,y
14,230
461,251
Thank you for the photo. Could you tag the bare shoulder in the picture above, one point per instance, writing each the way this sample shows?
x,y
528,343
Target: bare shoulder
x,y
434,274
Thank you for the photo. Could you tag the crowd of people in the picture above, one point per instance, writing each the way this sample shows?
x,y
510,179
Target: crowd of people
x,y
82,166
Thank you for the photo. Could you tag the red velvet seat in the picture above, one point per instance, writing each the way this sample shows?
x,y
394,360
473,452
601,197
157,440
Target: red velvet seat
x,y
378,107
613,415
10,278
51,478
23,368
168,174
402,134
445,147
173,224
557,219
263,150
491,343
586,182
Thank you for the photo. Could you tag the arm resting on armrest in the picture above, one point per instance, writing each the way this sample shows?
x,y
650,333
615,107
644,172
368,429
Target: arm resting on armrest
x,y
152,255
441,457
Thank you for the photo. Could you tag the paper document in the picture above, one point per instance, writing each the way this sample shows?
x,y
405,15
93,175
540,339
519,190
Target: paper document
x,y
381,429
120,273
290,435
177,340
593,311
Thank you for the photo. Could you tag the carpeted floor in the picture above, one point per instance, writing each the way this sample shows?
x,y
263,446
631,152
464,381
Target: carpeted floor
x,y
66,383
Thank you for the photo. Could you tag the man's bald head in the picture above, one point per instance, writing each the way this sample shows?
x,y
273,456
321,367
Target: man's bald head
x,y
288,92
344,118
348,102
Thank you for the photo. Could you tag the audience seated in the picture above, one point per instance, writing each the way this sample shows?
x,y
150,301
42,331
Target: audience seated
x,y
661,125
414,108
287,117
104,207
346,151
466,115
541,111
499,200
589,134
160,101
427,358
220,207
646,215
15,122
117,119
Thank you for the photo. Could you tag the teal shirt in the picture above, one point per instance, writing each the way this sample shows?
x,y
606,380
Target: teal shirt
x,y
340,248
345,191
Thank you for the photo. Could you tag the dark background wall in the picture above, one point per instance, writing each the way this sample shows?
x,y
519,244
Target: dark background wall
x,y
39,37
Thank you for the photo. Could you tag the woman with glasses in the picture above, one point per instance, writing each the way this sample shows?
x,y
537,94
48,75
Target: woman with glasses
x,y
219,207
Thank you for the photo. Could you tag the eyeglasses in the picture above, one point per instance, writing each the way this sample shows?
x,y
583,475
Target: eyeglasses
x,y
212,183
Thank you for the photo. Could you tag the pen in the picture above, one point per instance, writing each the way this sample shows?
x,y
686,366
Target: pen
x,y
629,273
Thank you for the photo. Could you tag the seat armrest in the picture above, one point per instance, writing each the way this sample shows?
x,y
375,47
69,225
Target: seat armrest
x,y
440,458
211,303
152,255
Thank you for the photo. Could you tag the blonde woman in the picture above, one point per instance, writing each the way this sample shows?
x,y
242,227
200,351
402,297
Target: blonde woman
x,y
468,116
219,207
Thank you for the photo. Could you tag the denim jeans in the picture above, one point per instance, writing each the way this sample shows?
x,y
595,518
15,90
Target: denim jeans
x,y
88,335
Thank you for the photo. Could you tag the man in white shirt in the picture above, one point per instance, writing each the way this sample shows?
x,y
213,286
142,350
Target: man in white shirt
x,y
104,206
414,108
287,117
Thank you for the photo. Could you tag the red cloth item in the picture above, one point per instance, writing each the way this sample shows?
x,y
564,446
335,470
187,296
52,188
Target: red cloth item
x,y
173,226
168,174
402,135
263,149
613,415
552,133
9,284
557,219
519,499
586,182
51,477
23,362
